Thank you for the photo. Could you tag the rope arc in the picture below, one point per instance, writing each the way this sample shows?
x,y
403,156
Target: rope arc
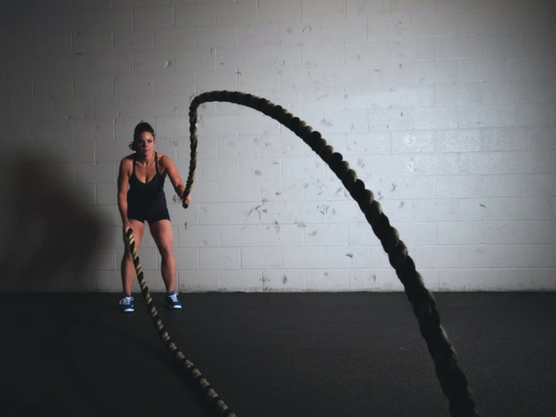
x,y
451,378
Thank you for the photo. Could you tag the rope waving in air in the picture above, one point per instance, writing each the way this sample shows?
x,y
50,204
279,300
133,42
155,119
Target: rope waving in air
x,y
206,390
452,380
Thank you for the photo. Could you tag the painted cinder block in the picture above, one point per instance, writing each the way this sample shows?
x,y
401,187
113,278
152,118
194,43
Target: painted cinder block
x,y
108,19
112,63
484,256
256,79
109,281
308,31
72,151
459,186
186,258
193,236
153,17
531,256
531,208
190,280
416,234
240,191
320,9
304,257
206,192
246,281
211,213
114,107
157,62
326,235
106,194
412,49
338,30
216,36
440,209
85,43
242,146
541,184
348,257
135,40
94,173
219,79
370,52
281,190
435,257
542,138
262,258
283,280
72,21
327,280
219,258
240,235
260,168
218,170
434,72
194,15
174,38
52,130
237,13
282,235
433,25
130,3
282,11
303,167
371,279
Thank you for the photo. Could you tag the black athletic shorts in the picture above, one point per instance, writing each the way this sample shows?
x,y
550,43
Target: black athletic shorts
x,y
151,218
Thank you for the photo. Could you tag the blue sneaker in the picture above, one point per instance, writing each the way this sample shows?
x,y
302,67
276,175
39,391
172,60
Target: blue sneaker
x,y
171,300
127,304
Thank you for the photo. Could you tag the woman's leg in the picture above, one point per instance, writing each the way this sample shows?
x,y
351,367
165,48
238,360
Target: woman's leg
x,y
127,267
163,235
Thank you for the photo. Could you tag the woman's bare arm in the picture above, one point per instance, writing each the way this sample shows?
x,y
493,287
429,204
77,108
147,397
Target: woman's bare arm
x,y
175,177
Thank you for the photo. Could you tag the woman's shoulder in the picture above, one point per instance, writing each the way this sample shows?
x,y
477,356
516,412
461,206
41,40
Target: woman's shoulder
x,y
127,161
164,160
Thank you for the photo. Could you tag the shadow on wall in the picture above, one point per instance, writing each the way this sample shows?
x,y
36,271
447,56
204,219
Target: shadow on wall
x,y
49,233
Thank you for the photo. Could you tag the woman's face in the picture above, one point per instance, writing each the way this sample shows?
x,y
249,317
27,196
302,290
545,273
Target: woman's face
x,y
146,143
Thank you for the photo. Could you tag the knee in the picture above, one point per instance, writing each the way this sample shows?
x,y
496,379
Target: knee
x,y
166,252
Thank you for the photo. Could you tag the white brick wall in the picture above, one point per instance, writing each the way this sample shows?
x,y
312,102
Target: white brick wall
x,y
445,109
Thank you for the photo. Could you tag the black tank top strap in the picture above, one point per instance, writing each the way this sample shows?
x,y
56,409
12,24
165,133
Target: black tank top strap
x,y
156,162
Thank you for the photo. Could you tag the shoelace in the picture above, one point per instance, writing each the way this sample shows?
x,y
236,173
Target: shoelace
x,y
173,297
126,300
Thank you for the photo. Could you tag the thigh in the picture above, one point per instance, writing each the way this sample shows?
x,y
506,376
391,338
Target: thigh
x,y
138,228
162,234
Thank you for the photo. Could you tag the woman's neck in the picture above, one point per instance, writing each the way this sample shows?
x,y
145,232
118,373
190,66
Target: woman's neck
x,y
145,159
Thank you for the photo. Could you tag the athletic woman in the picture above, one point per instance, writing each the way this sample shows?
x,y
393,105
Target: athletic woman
x,y
141,199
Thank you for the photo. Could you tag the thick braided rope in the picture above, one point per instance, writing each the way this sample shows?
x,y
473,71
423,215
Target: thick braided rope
x,y
452,380
206,390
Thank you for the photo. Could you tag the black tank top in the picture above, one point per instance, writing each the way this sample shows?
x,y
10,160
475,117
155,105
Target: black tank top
x,y
146,197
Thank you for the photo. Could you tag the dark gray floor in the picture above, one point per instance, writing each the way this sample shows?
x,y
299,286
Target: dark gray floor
x,y
270,355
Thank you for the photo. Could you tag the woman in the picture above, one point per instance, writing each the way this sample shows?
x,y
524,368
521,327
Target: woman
x,y
141,198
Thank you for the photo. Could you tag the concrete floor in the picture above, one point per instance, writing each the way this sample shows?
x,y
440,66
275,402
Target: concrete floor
x,y
270,355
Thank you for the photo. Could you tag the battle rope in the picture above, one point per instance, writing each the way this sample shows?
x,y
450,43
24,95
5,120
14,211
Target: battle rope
x,y
207,392
452,380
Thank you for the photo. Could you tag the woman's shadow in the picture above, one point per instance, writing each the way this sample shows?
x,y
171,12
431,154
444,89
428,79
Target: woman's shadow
x,y
50,234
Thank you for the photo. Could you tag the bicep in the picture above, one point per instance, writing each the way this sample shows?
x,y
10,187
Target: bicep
x,y
172,172
123,178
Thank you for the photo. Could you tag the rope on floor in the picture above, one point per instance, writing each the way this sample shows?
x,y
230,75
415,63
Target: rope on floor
x,y
206,390
452,380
